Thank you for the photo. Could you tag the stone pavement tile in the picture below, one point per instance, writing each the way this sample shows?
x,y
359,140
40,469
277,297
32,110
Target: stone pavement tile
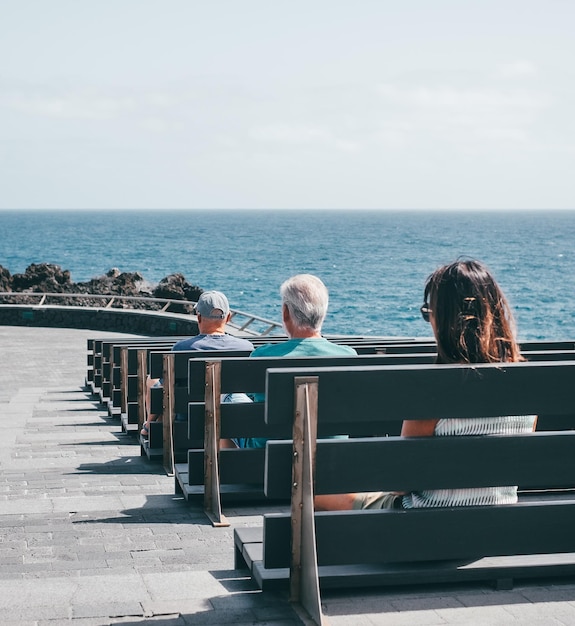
x,y
179,606
341,607
106,609
499,598
564,612
184,585
558,593
23,613
239,617
31,593
351,620
548,620
406,618
423,603
492,614
161,620
31,506
249,600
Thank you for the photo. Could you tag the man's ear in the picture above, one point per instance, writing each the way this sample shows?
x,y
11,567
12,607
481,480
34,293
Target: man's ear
x,y
229,317
285,312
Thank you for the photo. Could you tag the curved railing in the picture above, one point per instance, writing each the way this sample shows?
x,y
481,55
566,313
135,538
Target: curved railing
x,y
241,321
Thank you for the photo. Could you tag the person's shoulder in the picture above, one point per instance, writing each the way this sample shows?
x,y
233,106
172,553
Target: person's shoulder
x,y
184,344
268,349
339,348
239,342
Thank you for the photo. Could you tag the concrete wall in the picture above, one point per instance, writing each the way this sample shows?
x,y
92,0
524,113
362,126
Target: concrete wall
x,y
149,323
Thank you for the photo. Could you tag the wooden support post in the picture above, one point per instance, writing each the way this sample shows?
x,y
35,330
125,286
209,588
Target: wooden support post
x,y
124,381
212,500
142,365
304,575
168,413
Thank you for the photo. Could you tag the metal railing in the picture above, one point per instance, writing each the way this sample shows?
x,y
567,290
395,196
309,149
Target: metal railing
x,y
245,322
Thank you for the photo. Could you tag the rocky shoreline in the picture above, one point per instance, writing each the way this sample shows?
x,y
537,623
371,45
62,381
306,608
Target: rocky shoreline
x,y
50,278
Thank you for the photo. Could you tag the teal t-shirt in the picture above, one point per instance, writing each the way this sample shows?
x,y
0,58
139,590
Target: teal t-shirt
x,y
303,347
310,346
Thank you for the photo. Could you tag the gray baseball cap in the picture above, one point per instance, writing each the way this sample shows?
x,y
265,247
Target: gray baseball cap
x,y
210,303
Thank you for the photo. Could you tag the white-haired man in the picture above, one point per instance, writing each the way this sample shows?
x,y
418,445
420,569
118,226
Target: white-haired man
x,y
304,306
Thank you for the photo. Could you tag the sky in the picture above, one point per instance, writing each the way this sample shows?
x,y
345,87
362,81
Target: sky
x,y
308,104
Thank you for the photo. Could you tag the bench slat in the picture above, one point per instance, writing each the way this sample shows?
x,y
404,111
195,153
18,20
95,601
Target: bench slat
x,y
348,537
429,391
410,464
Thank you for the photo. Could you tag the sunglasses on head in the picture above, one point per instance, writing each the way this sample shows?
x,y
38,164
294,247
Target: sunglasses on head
x,y
425,311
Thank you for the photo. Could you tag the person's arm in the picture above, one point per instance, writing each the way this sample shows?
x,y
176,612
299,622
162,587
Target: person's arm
x,y
418,428
150,382
335,502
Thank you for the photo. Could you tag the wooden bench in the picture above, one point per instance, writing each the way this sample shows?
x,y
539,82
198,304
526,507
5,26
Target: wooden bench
x,y
106,354
103,355
175,370
233,474
238,473
133,373
533,538
101,361
120,370
170,438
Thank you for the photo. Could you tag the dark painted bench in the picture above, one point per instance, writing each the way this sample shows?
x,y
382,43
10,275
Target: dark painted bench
x,y
101,362
170,438
103,359
533,538
120,371
103,356
173,445
232,474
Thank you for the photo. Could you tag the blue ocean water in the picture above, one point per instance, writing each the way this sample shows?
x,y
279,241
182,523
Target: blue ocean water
x,y
374,263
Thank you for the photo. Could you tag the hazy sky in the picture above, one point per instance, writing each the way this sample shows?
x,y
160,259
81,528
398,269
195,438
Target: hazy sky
x,y
287,103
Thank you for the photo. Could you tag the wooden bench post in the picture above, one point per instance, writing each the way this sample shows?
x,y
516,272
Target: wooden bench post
x,y
168,413
212,501
142,389
124,380
304,576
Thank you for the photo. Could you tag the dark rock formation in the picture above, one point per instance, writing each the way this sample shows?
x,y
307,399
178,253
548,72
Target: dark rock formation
x,y
42,277
49,278
176,287
5,279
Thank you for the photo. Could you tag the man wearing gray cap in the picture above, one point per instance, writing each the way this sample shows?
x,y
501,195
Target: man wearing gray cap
x,y
213,312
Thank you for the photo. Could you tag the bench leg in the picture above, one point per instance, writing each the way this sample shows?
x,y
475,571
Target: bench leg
x,y
304,574
239,561
212,499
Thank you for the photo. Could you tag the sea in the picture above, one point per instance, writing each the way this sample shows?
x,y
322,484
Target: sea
x,y
374,262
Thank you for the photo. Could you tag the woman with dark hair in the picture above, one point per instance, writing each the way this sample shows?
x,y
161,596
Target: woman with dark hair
x,y
469,314
472,323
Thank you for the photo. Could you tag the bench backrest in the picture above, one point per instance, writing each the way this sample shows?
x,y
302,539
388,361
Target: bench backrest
x,y
428,391
247,374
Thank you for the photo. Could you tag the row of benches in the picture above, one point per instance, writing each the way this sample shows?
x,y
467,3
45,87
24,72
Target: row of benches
x,y
372,398
185,442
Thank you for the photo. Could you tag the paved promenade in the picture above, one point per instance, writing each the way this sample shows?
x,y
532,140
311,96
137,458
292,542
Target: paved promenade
x,y
92,534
